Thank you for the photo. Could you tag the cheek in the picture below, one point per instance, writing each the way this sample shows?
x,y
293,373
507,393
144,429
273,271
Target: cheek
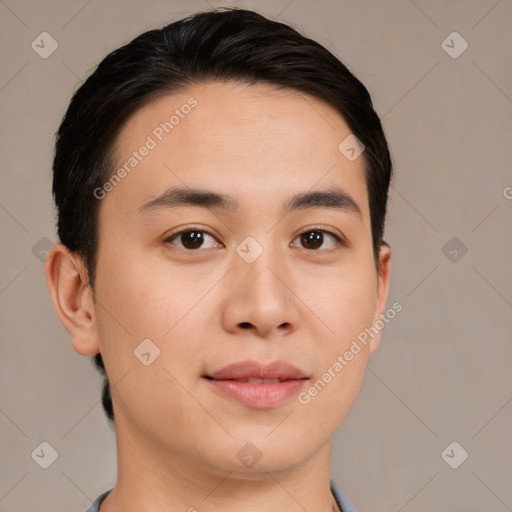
x,y
138,302
343,304
138,296
140,313
345,308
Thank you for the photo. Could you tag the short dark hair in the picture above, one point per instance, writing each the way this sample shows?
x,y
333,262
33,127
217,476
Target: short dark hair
x,y
229,44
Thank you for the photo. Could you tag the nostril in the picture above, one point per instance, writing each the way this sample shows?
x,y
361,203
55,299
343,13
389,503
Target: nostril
x,y
246,325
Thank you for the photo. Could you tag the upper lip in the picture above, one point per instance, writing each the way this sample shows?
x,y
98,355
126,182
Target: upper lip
x,y
252,369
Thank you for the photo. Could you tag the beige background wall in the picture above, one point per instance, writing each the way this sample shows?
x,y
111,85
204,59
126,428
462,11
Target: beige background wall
x,y
442,372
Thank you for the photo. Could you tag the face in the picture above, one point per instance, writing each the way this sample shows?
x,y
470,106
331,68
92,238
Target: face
x,y
247,274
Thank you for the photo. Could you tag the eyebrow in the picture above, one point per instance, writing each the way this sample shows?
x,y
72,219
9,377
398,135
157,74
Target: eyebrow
x,y
333,198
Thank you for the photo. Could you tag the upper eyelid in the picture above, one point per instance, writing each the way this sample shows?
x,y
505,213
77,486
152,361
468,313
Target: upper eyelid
x,y
186,230
340,239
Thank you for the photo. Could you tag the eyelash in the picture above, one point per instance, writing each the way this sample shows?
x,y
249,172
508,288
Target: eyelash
x,y
339,241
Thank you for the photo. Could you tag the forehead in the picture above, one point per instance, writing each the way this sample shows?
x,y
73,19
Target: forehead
x,y
250,141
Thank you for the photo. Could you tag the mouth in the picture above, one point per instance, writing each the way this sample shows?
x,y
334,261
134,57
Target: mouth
x,y
255,380
258,385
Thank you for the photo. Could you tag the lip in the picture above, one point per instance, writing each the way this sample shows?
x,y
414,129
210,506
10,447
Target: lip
x,y
252,369
258,395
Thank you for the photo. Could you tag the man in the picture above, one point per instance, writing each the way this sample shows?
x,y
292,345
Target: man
x,y
221,187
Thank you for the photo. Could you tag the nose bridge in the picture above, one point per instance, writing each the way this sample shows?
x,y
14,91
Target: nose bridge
x,y
262,261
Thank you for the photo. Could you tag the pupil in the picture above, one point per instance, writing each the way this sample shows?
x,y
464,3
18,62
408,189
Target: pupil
x,y
193,239
313,237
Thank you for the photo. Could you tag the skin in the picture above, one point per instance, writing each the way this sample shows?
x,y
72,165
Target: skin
x,y
204,308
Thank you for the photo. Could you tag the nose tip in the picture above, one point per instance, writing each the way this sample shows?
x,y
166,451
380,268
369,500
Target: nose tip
x,y
260,299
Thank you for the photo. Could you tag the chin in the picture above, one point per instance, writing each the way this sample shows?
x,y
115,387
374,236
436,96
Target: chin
x,y
253,455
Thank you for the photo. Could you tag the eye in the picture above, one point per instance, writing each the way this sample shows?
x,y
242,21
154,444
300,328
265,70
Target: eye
x,y
191,238
314,238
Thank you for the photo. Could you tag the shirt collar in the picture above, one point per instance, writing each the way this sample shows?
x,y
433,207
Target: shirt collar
x,y
341,499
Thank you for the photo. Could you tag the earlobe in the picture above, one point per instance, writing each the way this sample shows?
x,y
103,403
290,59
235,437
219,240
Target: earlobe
x,y
382,292
72,298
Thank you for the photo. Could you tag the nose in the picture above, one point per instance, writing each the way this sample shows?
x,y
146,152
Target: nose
x,y
261,297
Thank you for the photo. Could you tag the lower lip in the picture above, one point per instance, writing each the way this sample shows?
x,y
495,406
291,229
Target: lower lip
x,y
260,396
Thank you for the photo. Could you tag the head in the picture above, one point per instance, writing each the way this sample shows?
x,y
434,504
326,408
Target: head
x,y
231,102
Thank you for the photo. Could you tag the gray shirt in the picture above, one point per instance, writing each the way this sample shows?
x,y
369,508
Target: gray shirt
x,y
340,498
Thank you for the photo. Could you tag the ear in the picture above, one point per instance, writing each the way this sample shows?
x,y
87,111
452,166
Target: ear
x,y
68,282
382,291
